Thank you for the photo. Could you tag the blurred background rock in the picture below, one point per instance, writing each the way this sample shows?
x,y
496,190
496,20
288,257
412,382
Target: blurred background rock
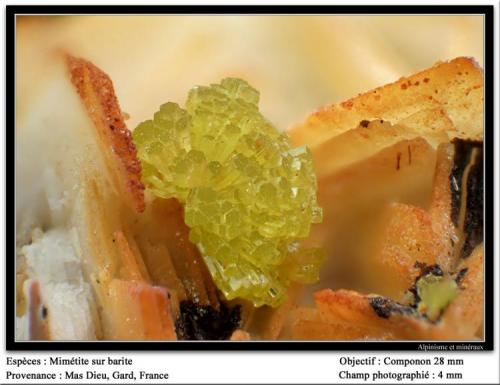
x,y
298,63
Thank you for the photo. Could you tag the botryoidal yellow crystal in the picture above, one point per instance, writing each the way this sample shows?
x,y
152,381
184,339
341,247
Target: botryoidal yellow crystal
x,y
248,196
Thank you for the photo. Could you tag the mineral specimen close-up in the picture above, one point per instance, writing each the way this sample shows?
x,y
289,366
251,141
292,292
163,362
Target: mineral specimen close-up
x,y
248,196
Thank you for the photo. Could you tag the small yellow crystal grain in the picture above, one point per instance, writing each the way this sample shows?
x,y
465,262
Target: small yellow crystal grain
x,y
436,293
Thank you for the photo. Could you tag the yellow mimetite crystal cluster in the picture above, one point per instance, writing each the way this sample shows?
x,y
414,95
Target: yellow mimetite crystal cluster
x,y
248,196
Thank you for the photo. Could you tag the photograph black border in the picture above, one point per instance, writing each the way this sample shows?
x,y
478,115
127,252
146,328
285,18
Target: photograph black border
x,y
10,249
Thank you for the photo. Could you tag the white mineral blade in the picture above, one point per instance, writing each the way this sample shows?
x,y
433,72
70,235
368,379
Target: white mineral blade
x,y
54,138
67,297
